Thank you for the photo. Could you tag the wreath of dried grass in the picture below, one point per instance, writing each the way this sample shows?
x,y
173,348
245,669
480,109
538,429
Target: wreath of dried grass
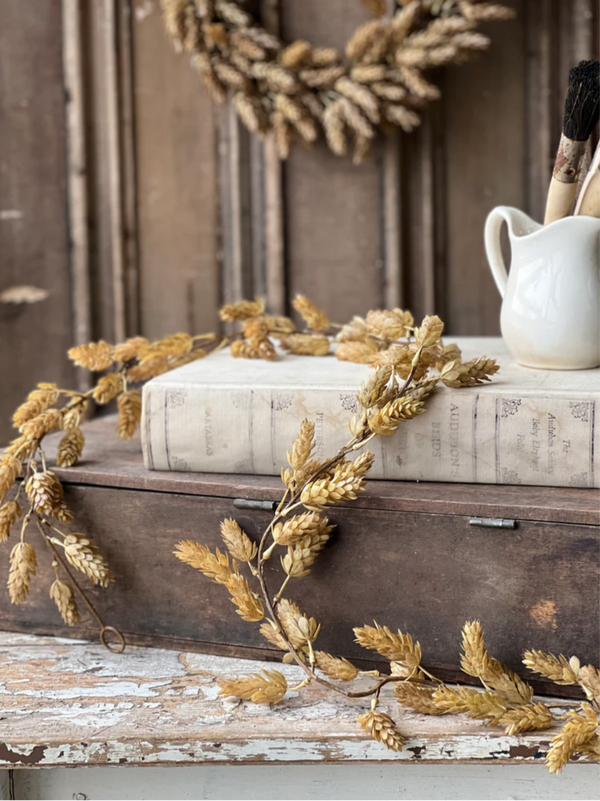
x,y
409,362
298,91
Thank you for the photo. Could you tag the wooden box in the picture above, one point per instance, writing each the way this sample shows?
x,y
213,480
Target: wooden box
x,y
416,556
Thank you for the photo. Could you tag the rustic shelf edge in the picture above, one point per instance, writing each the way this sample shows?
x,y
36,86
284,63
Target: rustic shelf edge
x,y
109,462
66,704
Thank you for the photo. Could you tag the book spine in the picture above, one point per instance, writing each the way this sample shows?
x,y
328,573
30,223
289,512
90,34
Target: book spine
x,y
464,436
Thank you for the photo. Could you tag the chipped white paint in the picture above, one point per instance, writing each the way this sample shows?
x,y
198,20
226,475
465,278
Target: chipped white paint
x,y
11,214
84,706
312,782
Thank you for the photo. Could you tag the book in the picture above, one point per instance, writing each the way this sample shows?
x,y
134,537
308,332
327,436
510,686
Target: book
x,y
226,415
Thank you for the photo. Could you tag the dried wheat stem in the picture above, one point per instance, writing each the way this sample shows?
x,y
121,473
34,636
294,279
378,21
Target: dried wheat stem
x,y
103,627
263,554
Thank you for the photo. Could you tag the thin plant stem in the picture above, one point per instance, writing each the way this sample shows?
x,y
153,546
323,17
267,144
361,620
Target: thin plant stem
x,y
51,543
354,444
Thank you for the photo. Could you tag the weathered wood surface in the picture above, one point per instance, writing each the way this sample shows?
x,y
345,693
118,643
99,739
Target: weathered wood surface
x,y
422,573
34,246
74,704
109,462
405,555
176,161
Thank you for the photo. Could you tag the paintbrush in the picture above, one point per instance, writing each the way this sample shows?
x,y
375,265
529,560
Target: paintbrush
x,y
582,110
588,202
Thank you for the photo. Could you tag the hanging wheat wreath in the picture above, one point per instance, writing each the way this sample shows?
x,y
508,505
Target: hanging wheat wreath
x,y
299,91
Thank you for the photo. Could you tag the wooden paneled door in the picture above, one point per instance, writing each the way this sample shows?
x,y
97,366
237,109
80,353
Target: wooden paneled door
x,y
139,207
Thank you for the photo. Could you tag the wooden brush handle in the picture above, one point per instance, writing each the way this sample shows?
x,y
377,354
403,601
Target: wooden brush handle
x,y
563,186
561,198
588,201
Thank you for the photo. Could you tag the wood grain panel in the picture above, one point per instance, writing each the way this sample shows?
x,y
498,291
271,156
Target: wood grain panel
x,y
34,245
103,172
333,208
423,573
176,168
485,129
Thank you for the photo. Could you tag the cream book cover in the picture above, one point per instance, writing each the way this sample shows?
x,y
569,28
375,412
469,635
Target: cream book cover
x,y
226,415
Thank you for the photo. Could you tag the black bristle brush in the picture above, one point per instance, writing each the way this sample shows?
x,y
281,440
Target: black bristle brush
x,y
582,111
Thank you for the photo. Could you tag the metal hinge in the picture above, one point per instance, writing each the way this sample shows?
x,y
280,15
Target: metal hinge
x,y
493,522
263,506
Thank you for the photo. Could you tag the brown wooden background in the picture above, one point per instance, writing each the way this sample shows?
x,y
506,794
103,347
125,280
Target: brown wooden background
x,y
140,208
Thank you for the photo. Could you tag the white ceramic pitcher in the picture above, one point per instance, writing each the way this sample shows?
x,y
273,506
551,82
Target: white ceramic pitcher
x,y
551,306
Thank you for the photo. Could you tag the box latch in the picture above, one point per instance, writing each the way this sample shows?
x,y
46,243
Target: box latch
x,y
493,522
263,506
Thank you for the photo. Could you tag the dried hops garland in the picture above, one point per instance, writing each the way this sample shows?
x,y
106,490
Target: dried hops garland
x,y
409,362
406,373
48,409
121,369
300,92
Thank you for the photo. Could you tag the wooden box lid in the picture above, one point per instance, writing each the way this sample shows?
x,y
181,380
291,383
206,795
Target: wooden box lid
x,y
109,462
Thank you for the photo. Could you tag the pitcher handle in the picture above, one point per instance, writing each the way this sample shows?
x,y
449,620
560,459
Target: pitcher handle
x,y
493,225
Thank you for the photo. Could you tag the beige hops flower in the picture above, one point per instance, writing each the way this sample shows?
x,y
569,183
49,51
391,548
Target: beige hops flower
x,y
395,646
238,543
272,634
476,661
363,352
556,668
579,730
457,375
354,331
306,344
9,513
293,529
311,314
372,391
386,420
131,349
242,310
10,469
107,388
249,605
417,697
72,414
344,485
527,717
302,556
63,596
22,567
389,324
83,554
214,566
268,688
589,679
382,728
279,325
429,332
95,356
45,492
240,349
299,628
70,448
130,413
488,706
43,424
37,402
334,667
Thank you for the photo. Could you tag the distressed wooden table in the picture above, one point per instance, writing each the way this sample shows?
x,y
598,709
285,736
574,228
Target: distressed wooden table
x,y
71,703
